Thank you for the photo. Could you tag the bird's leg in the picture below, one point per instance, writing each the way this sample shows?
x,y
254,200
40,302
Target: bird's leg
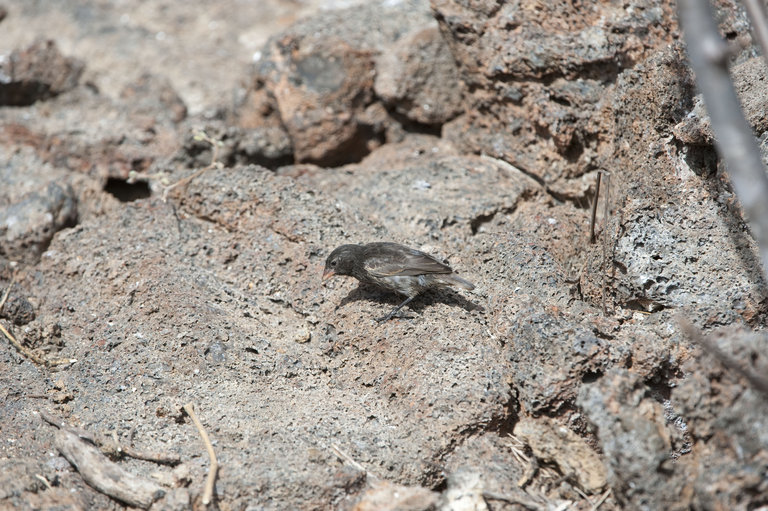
x,y
394,311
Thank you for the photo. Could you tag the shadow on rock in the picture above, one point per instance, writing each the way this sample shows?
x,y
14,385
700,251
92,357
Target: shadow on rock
x,y
421,302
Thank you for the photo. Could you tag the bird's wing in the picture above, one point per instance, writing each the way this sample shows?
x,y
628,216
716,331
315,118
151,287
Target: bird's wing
x,y
389,259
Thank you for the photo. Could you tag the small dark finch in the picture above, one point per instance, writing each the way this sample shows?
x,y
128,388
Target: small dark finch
x,y
392,267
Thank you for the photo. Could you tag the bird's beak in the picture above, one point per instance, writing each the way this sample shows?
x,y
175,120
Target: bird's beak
x,y
328,273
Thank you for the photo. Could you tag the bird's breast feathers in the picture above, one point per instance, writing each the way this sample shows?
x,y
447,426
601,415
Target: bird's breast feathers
x,y
407,285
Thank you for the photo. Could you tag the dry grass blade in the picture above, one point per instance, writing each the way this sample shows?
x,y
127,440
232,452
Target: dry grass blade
x,y
211,481
606,231
601,500
7,292
347,458
22,349
515,499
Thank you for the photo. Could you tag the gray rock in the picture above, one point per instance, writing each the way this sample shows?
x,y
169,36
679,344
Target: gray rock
x,y
636,447
418,77
27,227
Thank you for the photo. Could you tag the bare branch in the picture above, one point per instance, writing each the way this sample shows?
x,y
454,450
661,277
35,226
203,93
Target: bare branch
x,y
733,136
756,12
104,475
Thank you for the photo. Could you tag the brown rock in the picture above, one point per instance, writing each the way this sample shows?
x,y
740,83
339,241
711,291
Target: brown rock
x,y
418,77
321,88
540,75
154,97
321,74
18,310
554,443
37,73
264,140
749,78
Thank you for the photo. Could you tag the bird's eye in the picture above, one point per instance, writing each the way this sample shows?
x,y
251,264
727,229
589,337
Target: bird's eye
x,y
333,263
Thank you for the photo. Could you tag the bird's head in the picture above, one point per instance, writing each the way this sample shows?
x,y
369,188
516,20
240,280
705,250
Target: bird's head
x,y
341,261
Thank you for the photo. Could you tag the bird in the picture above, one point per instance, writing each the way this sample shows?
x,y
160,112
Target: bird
x,y
393,267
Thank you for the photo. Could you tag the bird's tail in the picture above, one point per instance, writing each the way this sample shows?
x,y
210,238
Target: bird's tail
x,y
455,280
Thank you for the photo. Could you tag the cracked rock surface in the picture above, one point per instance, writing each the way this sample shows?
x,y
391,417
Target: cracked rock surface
x,y
166,214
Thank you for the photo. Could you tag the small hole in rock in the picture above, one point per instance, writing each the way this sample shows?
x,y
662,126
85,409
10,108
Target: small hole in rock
x,y
591,376
125,191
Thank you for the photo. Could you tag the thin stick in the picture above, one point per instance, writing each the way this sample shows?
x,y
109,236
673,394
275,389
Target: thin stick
x,y
7,292
502,163
602,499
54,421
60,361
346,457
23,349
50,419
188,179
514,499
756,13
211,481
734,139
155,457
165,459
44,480
606,231
594,209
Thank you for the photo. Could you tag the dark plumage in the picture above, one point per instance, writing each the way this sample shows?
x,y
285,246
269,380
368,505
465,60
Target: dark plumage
x,y
393,267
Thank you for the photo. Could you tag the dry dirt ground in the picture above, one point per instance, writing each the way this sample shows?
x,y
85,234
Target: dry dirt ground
x,y
173,175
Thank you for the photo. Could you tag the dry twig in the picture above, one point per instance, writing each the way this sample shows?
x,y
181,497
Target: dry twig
x,y
606,232
734,139
600,501
53,421
104,475
79,448
7,292
214,164
514,499
756,13
154,457
346,457
23,349
42,478
594,209
211,481
115,448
